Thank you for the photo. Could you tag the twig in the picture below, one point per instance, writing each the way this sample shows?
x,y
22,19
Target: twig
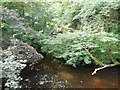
x,y
95,59
111,65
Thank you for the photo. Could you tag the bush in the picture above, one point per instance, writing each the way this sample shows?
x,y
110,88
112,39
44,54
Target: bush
x,y
11,69
71,46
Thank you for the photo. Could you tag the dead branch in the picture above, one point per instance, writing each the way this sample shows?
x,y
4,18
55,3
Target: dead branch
x,y
95,59
111,65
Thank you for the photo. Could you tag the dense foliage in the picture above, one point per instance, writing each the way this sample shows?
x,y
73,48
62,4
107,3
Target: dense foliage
x,y
79,33
66,29
71,47
92,26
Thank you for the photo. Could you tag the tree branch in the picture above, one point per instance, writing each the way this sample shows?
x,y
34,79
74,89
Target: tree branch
x,y
111,65
100,63
95,59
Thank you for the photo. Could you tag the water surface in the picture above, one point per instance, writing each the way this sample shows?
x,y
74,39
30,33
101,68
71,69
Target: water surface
x,y
50,74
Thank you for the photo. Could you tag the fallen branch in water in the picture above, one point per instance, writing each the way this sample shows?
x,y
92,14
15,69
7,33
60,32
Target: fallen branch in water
x,y
101,63
111,65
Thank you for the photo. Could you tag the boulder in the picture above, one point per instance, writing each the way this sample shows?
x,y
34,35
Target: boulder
x,y
23,52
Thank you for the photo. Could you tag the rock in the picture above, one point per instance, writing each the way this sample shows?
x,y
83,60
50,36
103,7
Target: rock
x,y
23,52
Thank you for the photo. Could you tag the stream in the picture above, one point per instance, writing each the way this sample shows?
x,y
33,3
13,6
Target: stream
x,y
51,74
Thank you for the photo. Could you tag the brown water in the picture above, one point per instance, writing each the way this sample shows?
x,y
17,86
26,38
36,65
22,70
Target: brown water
x,y
49,74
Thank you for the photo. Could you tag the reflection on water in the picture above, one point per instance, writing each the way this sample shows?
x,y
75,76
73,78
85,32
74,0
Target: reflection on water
x,y
98,82
48,74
